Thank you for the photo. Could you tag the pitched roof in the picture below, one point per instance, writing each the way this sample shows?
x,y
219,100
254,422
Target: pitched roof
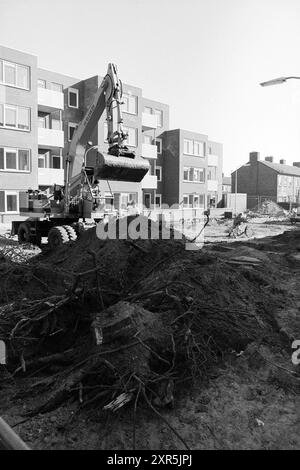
x,y
282,169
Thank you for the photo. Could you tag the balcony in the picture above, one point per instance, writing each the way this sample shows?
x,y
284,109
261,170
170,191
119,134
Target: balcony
x,y
149,182
212,185
50,176
149,121
49,100
213,160
149,151
49,138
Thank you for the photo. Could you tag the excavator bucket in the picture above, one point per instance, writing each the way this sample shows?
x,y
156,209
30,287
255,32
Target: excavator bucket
x,y
114,168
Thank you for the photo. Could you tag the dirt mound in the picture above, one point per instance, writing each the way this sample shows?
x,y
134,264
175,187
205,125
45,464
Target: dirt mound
x,y
268,208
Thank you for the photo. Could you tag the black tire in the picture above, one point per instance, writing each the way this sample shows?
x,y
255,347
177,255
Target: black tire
x,y
57,237
24,233
71,232
79,228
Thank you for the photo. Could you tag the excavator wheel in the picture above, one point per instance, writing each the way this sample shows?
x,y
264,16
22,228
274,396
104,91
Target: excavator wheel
x,y
57,236
71,232
24,233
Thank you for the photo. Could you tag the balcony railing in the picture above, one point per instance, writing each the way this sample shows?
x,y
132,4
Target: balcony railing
x,y
50,138
149,182
49,100
50,176
149,151
149,121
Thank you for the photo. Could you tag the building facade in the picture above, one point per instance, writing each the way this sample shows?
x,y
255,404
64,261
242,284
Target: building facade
x,y
191,167
39,112
265,179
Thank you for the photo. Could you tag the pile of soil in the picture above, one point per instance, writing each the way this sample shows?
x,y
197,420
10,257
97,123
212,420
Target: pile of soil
x,y
268,208
116,323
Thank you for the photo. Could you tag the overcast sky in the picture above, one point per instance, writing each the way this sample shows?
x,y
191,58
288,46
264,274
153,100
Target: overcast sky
x,y
205,58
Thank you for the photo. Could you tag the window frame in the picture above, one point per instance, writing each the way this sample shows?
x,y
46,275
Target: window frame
x,y
130,95
193,143
11,193
194,170
74,126
159,112
76,92
16,108
159,168
15,65
16,151
160,145
158,206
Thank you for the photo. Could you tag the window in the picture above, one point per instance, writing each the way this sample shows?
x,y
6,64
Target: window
x,y
57,87
14,74
14,117
159,146
12,159
23,160
188,146
23,118
72,126
158,172
159,115
198,148
10,116
41,83
185,200
56,161
73,95
193,147
11,201
212,173
147,110
130,103
195,175
132,136
43,158
158,200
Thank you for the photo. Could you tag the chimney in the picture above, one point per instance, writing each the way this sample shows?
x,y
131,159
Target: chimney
x,y
254,157
269,159
282,161
296,164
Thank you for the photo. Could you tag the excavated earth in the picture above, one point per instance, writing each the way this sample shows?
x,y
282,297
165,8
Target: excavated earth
x,y
233,309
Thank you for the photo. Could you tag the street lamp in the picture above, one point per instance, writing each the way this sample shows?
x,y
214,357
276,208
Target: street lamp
x,y
278,81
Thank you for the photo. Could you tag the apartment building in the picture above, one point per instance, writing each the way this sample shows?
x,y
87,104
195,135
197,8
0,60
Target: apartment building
x,y
266,179
191,167
39,112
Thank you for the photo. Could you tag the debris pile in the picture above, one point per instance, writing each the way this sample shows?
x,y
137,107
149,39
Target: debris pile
x,y
109,322
268,208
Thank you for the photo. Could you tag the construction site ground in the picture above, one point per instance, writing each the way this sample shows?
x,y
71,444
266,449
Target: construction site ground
x,y
249,398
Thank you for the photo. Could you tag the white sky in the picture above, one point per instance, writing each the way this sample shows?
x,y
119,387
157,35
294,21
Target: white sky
x,y
205,58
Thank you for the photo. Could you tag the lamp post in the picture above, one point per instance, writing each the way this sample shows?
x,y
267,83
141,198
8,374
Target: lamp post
x,y
278,81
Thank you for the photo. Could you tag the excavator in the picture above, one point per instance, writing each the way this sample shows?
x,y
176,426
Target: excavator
x,y
61,217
